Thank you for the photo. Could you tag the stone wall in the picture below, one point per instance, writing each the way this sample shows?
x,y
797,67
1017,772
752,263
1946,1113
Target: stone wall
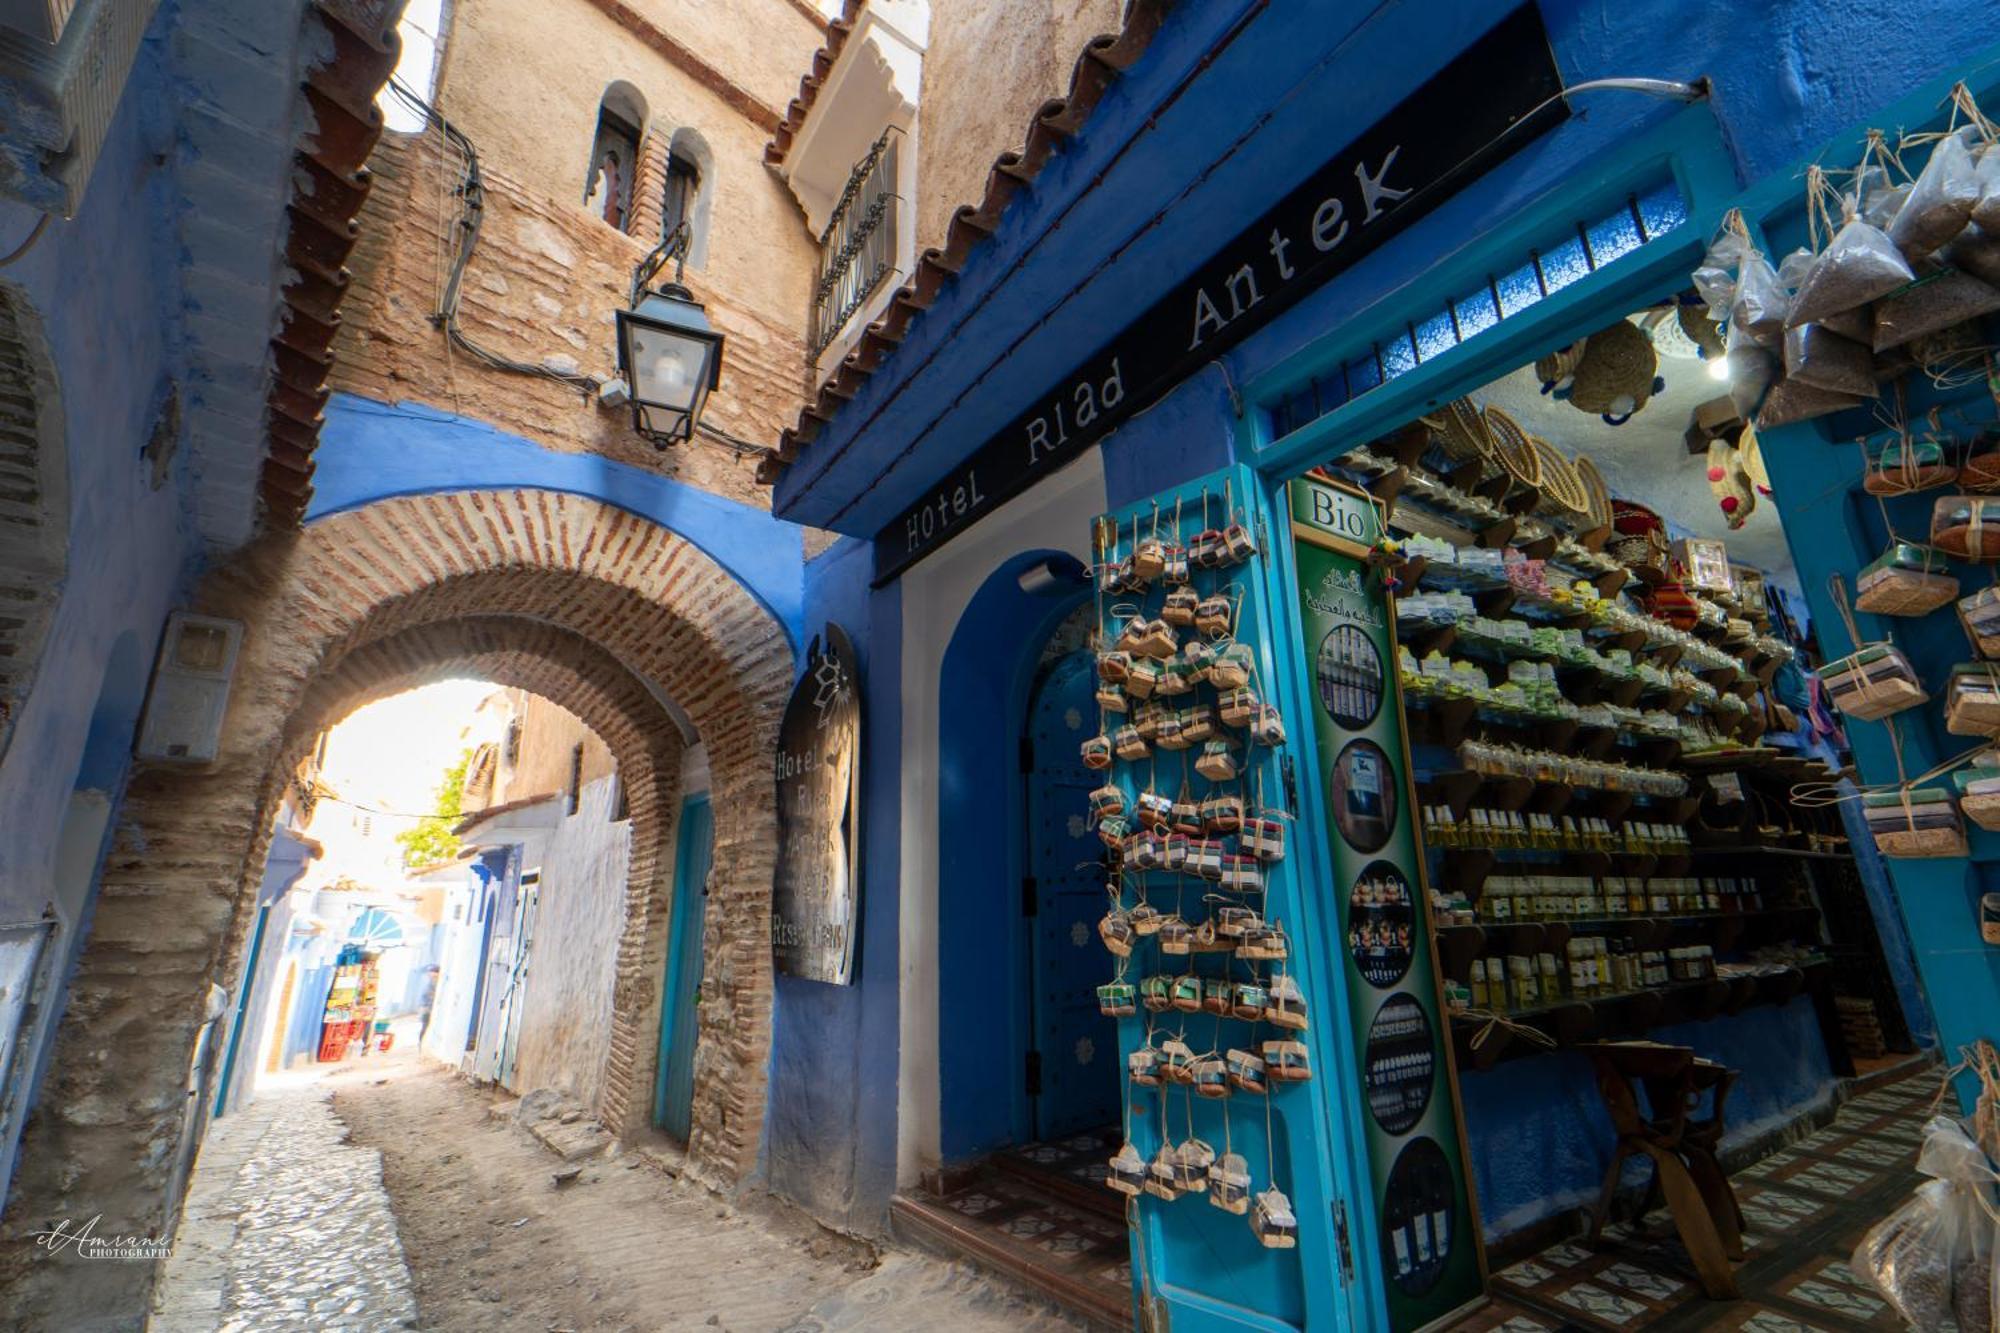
x,y
566,1015
989,67
338,614
523,80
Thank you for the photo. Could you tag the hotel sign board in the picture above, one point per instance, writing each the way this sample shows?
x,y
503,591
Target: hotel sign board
x,y
1485,105
814,914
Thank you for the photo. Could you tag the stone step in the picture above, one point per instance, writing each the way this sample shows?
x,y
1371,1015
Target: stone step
x,y
922,1221
1092,1198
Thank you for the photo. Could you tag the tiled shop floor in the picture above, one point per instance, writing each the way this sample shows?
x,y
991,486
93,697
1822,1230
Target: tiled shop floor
x,y
1806,1206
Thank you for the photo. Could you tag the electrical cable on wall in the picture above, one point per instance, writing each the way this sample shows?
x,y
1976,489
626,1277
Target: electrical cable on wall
x,y
471,190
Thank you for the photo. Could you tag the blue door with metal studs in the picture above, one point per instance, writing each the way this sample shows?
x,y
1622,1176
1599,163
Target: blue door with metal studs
x,y
673,1093
1073,1048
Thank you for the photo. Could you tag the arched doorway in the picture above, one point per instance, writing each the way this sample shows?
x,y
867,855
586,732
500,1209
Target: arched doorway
x,y
588,605
1073,1075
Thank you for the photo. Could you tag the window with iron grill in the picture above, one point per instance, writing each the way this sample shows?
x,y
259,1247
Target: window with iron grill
x,y
857,251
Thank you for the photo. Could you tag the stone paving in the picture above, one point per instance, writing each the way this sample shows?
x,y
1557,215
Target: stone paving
x,y
286,1226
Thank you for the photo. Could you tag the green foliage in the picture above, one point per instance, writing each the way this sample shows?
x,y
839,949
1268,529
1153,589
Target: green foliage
x,y
432,840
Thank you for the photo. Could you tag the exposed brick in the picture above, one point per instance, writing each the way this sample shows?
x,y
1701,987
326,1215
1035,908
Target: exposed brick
x,y
588,605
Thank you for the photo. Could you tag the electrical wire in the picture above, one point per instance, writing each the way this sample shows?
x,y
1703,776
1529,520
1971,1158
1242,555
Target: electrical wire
x,y
41,225
471,191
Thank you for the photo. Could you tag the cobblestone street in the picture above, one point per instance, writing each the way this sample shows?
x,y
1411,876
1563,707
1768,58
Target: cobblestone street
x,y
286,1226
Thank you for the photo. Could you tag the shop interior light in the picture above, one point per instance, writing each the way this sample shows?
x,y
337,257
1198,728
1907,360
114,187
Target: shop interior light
x,y
1718,368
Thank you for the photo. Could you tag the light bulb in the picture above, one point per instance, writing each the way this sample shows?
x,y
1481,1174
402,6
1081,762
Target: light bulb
x,y
1718,368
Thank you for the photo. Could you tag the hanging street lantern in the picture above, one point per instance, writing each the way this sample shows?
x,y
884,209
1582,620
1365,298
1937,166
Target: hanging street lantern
x,y
671,358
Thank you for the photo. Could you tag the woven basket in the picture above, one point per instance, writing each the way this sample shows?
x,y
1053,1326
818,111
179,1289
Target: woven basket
x,y
1463,434
1563,494
1598,514
1615,376
1557,368
1512,448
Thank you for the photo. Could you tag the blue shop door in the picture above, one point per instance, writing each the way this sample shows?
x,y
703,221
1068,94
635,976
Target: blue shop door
x,y
673,1092
1074,1048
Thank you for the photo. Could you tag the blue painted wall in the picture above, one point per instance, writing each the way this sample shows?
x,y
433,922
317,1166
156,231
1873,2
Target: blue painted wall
x,y
1152,185
1540,1137
830,1118
371,451
983,1018
1173,163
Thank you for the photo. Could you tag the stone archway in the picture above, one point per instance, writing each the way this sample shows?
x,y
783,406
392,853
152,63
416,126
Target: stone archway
x,y
34,501
568,588
644,742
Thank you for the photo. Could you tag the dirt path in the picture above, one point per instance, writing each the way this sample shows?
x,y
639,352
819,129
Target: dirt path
x,y
493,1243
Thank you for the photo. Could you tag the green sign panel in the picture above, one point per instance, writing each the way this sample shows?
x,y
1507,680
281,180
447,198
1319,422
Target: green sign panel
x,y
1428,1239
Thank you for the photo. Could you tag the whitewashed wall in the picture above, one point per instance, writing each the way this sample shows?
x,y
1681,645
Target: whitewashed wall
x,y
572,959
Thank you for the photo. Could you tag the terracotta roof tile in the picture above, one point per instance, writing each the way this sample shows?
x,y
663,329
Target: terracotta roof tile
x,y
1102,59
330,182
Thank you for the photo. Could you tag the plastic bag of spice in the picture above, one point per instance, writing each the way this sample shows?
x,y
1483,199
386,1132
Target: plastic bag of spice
x,y
1758,306
1977,251
1937,301
1793,400
1859,265
1933,1257
1825,360
1986,212
1940,200
1751,370
1857,323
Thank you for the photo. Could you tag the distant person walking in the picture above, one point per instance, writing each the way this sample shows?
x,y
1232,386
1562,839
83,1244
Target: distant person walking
x,y
429,999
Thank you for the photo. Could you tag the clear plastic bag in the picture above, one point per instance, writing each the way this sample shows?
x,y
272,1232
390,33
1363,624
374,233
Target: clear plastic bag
x,y
1759,304
1793,400
1933,1257
1977,251
1940,200
1859,265
1816,356
1986,212
1947,297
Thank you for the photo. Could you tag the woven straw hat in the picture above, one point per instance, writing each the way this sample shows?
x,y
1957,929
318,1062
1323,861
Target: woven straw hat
x,y
1617,373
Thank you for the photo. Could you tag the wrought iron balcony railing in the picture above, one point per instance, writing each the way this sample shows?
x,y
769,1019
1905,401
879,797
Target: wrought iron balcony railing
x,y
857,251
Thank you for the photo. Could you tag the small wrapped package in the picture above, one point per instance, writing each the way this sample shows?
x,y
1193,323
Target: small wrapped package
x,y
1979,792
1906,580
1229,1183
1915,822
1906,465
1277,1227
1126,1172
1246,1071
1872,683
1980,614
1286,1061
1972,700
1967,526
1817,356
1117,999
1758,306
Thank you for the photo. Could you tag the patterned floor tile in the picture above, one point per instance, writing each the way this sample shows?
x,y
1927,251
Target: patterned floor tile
x,y
1641,1281
1118,1273
1771,1321
1565,1255
1526,1273
1600,1303
1835,1296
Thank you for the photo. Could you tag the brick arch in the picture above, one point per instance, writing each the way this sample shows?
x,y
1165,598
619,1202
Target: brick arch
x,y
34,500
173,905
646,745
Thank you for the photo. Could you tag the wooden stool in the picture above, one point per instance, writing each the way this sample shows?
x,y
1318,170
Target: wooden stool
x,y
1698,1196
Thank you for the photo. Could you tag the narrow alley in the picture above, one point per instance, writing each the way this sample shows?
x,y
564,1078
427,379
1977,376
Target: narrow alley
x,y
390,1193
1228,666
